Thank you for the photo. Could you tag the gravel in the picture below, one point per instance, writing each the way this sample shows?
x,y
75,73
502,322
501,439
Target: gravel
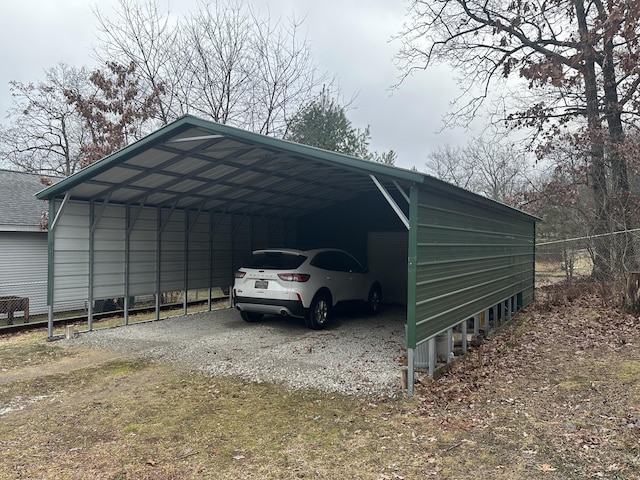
x,y
354,355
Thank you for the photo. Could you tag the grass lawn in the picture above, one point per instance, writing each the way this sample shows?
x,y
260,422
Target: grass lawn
x,y
554,395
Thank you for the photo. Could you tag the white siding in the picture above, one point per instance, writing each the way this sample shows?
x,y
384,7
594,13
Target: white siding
x,y
71,257
198,267
109,252
216,245
23,268
172,251
142,252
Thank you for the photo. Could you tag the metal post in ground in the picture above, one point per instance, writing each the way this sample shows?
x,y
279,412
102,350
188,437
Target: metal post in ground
x,y
464,337
432,356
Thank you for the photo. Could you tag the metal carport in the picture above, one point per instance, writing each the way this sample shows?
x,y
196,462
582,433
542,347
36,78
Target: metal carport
x,y
178,209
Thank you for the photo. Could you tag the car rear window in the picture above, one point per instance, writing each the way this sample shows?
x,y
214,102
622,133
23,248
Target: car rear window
x,y
275,261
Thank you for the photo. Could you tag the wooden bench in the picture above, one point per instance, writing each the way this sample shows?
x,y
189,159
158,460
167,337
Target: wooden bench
x,y
12,304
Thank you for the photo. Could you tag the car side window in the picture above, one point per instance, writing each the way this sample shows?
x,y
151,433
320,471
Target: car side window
x,y
349,264
337,262
323,260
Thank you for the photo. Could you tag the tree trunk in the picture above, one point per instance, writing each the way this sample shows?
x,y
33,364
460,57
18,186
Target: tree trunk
x,y
632,292
623,247
602,268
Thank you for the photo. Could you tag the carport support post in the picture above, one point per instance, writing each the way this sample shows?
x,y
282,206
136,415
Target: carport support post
x,y
158,247
210,262
50,265
91,264
53,222
412,274
432,356
464,336
185,266
487,328
127,260
410,370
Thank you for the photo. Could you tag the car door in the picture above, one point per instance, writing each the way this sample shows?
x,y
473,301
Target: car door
x,y
336,276
358,288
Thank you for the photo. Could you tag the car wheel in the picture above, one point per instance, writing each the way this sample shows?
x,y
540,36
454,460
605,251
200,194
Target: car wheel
x,y
251,316
318,312
374,302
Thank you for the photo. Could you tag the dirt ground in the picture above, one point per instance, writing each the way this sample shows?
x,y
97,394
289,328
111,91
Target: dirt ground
x,y
554,395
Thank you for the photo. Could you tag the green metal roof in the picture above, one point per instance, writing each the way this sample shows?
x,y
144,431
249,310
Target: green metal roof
x,y
193,163
198,164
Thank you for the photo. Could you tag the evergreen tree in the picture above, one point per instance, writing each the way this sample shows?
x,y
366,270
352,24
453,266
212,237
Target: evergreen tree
x,y
323,123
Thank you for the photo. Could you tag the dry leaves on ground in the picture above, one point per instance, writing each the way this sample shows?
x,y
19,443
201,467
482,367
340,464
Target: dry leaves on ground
x,y
559,388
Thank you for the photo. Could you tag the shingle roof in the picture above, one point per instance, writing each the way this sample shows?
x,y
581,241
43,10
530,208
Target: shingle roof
x,y
19,208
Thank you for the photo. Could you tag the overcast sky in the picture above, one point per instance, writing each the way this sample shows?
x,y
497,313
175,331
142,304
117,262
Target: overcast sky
x,y
351,40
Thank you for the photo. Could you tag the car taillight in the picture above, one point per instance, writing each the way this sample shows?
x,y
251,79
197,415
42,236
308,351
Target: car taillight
x,y
239,274
294,277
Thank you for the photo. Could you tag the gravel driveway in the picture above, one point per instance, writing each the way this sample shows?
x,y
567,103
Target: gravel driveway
x,y
354,355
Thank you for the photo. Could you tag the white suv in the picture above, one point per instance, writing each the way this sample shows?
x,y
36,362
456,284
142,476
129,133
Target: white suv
x,y
304,284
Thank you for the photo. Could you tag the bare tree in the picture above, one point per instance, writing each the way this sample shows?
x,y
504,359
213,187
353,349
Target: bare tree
x,y
143,35
45,134
225,62
579,60
491,169
284,72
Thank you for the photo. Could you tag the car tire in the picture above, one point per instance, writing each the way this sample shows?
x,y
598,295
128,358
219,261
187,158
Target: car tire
x,y
374,302
318,314
251,316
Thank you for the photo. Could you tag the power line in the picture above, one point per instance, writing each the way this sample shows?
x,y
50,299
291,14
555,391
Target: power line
x,y
587,237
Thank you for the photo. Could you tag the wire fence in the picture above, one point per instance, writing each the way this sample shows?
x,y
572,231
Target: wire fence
x,y
571,258
564,260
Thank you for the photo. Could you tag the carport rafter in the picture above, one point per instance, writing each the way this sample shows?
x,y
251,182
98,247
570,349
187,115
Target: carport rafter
x,y
295,201
143,171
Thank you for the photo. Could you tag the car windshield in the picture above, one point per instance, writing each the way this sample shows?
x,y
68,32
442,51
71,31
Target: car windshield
x,y
275,261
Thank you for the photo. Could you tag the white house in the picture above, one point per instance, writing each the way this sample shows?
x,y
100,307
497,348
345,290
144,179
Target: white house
x,y
23,245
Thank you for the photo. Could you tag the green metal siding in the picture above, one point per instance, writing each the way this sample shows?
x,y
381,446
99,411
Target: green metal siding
x,y
469,257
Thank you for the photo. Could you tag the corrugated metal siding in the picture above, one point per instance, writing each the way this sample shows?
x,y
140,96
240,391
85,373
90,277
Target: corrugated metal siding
x,y
468,259
172,251
198,264
23,257
142,252
232,239
222,264
259,233
71,256
242,240
109,251
282,233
